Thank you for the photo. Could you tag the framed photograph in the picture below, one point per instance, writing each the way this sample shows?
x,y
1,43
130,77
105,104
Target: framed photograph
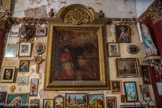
x,y
25,49
145,91
34,103
7,74
95,99
74,100
131,91
34,87
40,32
84,50
111,102
116,86
122,34
17,99
132,106
127,67
27,32
132,49
145,74
59,102
23,80
39,48
14,31
114,50
2,98
48,103
11,50
24,66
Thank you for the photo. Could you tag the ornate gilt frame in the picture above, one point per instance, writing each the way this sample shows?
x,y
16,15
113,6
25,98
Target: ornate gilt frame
x,y
90,22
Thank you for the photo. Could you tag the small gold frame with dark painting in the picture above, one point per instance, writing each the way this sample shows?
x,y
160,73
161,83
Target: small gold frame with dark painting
x,y
132,49
116,86
39,48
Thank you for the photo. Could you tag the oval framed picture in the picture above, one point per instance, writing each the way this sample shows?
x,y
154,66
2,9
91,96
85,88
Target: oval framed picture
x,y
39,48
132,49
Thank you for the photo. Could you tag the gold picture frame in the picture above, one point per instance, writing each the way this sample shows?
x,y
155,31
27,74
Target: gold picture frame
x,y
64,40
132,49
25,49
39,48
116,86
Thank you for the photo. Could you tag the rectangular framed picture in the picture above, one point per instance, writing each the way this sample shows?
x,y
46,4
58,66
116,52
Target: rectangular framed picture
x,y
111,102
48,103
7,74
159,88
34,103
59,102
27,32
145,91
24,66
18,99
34,87
131,91
76,100
145,73
95,100
116,86
25,49
15,30
127,67
113,50
11,50
2,98
40,32
122,34
23,80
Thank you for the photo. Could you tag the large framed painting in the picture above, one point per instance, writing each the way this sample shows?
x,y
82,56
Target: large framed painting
x,y
131,92
145,73
76,58
7,74
127,67
19,100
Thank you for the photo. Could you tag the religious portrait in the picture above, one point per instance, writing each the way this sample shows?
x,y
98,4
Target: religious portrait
x,y
24,66
34,103
145,74
76,100
122,34
23,80
34,87
116,86
111,102
24,49
96,101
145,91
48,103
7,74
27,32
132,49
17,99
131,91
127,67
11,50
39,48
59,102
113,49
14,31
40,32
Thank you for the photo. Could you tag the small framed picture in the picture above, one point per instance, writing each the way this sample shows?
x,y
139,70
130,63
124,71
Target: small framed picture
x,y
59,102
23,80
34,103
145,74
25,49
131,91
2,98
7,74
24,66
11,50
76,99
145,91
39,48
95,100
34,87
27,32
113,49
14,31
133,106
122,34
48,103
116,86
111,102
132,49
40,32
17,99
127,67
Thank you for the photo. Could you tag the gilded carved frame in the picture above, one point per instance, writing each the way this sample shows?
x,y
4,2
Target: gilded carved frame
x,y
90,22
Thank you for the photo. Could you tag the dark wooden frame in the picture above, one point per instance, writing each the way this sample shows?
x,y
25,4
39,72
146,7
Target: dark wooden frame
x,y
143,75
63,101
111,97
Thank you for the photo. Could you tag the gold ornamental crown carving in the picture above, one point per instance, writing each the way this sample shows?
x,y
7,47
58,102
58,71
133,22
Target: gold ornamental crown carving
x,y
77,14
